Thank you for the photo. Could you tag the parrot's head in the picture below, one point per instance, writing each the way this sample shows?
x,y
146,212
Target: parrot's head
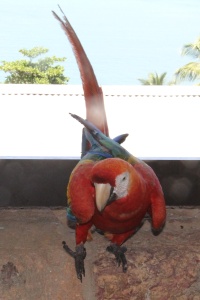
x,y
112,179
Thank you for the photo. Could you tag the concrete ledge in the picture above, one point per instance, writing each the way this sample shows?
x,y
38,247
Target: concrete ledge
x,y
162,121
109,90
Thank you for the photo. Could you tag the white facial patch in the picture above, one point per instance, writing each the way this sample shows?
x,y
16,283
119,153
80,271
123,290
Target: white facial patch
x,y
122,184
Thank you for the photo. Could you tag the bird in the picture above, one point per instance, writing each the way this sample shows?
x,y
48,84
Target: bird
x,y
114,195
91,151
101,189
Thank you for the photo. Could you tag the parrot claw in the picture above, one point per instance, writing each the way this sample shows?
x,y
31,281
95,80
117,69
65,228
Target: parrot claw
x,y
79,256
119,251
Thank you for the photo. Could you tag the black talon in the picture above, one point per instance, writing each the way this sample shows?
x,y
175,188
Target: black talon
x,y
79,256
68,250
119,251
79,261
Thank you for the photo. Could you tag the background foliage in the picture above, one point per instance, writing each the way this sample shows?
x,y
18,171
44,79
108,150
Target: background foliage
x,y
30,70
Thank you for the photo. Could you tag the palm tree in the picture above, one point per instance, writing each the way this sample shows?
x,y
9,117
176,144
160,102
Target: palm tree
x,y
191,70
154,79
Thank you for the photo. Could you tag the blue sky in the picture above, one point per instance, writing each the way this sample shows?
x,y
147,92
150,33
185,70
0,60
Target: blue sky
x,y
124,40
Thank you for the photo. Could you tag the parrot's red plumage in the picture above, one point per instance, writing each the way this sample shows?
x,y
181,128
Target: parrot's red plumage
x,y
109,188
136,190
114,195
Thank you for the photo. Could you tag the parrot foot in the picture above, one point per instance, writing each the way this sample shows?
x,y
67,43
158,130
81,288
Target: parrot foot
x,y
79,256
119,251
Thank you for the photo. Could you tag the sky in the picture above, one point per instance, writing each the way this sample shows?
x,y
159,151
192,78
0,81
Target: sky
x,y
124,40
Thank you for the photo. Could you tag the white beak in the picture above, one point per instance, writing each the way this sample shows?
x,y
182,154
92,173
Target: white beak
x,y
102,194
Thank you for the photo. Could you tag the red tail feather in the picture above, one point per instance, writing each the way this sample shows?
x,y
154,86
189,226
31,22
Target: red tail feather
x,y
95,110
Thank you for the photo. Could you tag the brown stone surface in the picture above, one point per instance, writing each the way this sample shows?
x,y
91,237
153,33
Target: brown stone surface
x,y
33,264
164,267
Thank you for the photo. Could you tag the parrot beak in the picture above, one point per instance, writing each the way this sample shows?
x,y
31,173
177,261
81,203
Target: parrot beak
x,y
103,195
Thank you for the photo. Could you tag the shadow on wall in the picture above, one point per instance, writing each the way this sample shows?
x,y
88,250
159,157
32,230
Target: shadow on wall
x,y
32,182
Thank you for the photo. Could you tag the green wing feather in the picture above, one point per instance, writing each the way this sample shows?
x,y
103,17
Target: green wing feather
x,y
111,146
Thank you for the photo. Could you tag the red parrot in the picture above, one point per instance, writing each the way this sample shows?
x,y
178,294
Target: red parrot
x,y
95,112
114,195
109,188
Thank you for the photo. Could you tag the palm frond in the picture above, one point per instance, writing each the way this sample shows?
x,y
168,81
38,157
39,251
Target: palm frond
x,y
192,49
154,79
190,71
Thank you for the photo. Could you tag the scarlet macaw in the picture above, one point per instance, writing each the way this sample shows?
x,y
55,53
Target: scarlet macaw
x,y
112,191
114,195
95,112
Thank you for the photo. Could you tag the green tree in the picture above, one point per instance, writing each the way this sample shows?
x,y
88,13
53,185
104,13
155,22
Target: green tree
x,y
154,79
190,71
41,71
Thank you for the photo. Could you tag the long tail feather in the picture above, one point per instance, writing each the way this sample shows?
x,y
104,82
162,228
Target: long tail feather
x,y
95,110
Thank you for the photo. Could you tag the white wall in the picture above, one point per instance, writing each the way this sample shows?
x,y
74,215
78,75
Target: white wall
x,y
162,121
